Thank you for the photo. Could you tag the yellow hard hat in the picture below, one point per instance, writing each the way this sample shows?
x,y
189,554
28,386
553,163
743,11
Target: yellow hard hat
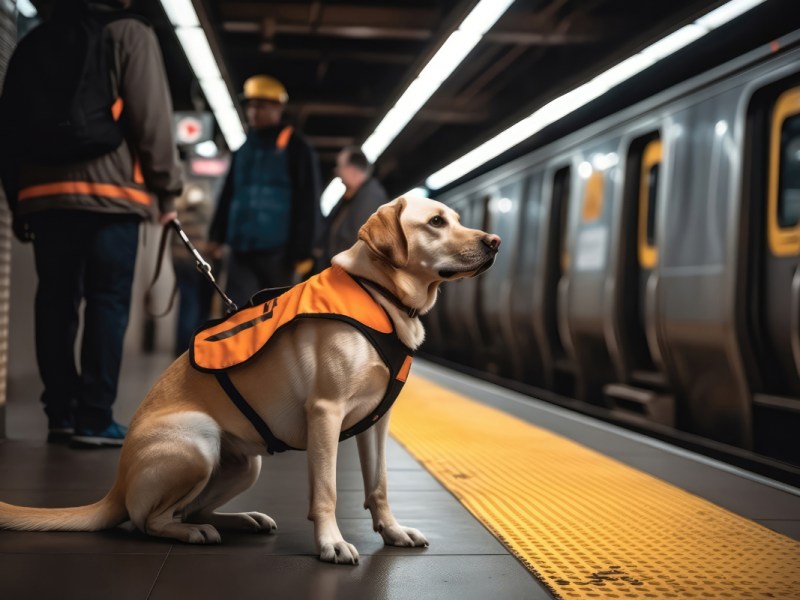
x,y
264,87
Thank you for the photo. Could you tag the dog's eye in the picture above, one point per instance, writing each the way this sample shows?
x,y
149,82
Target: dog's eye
x,y
436,221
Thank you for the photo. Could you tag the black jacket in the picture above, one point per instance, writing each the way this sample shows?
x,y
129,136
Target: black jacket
x,y
348,216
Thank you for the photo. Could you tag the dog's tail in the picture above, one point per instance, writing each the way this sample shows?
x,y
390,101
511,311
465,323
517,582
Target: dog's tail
x,y
104,514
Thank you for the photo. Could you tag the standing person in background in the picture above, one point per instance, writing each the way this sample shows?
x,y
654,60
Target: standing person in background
x,y
363,196
267,211
86,138
194,291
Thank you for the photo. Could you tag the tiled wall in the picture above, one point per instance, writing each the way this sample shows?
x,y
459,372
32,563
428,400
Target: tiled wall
x,y
8,37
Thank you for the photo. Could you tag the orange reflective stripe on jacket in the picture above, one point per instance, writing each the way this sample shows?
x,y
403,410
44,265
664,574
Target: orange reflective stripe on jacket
x,y
62,188
283,137
116,108
331,293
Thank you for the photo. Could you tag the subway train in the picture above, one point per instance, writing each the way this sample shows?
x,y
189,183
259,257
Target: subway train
x,y
651,264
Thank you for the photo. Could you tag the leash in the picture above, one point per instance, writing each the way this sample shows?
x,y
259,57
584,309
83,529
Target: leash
x,y
202,266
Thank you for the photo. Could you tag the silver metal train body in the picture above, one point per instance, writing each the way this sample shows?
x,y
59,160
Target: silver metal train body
x,y
652,261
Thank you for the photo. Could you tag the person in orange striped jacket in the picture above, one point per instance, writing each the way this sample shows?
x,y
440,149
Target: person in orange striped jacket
x,y
83,218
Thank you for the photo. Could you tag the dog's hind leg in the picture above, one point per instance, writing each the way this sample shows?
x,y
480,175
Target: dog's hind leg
x,y
176,458
235,474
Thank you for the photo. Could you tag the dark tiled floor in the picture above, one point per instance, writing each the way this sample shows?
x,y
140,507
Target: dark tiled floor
x,y
463,561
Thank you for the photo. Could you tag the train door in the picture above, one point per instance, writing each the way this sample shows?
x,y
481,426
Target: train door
x,y
503,212
463,338
644,392
560,369
526,283
774,284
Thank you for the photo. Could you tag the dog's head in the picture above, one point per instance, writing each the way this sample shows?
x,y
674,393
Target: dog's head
x,y
425,238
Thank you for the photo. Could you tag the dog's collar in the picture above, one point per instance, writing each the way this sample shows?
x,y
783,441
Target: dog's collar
x,y
411,312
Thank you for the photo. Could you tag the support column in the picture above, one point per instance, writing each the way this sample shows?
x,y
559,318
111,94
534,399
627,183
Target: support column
x,y
8,39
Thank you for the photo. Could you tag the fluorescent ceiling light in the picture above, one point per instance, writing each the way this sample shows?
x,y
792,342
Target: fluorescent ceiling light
x,y
726,12
181,13
231,126
444,62
26,9
216,93
331,196
419,192
582,95
183,17
484,15
195,44
207,149
674,42
457,46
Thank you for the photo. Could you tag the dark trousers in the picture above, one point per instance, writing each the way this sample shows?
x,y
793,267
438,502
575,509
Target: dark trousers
x,y
253,271
194,306
91,256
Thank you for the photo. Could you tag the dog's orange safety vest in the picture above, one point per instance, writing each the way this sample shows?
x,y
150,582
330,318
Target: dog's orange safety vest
x,y
333,294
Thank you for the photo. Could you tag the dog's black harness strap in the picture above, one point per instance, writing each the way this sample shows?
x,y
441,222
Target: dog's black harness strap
x,y
273,444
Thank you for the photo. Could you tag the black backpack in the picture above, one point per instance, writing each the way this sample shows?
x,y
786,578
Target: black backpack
x,y
57,97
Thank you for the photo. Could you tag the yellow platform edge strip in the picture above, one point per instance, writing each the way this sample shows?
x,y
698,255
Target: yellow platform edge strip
x,y
584,524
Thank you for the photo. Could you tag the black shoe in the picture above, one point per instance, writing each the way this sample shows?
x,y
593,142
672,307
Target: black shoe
x,y
60,435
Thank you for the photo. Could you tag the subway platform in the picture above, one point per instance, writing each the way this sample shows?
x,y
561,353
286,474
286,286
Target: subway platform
x,y
465,559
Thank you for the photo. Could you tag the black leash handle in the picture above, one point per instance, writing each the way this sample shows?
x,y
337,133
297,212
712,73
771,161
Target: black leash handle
x,y
202,266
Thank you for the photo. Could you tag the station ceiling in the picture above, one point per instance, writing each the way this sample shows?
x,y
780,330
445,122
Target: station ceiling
x,y
345,63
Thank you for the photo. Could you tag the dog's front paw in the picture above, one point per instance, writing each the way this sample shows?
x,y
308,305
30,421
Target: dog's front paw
x,y
397,535
340,553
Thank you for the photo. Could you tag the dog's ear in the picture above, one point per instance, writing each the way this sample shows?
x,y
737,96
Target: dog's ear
x,y
384,235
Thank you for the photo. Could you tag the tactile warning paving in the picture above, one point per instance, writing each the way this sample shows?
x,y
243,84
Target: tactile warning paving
x,y
586,525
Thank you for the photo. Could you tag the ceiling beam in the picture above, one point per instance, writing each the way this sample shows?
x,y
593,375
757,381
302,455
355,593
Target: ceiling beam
x,y
523,37
374,22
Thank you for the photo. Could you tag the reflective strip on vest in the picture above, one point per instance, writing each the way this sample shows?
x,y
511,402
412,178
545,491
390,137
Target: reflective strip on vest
x,y
108,190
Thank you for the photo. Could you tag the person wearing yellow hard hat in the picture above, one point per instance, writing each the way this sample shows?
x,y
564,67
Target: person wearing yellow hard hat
x,y
268,208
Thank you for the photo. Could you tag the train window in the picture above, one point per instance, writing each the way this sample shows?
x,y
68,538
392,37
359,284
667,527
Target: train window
x,y
789,186
648,196
560,203
784,176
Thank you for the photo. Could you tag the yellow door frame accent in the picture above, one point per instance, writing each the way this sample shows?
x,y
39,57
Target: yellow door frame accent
x,y
652,155
783,241
593,197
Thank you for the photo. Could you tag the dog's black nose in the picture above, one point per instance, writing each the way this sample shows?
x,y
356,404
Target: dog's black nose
x,y
492,240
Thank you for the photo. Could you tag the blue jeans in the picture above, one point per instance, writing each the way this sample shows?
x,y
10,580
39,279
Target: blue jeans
x,y
82,255
195,294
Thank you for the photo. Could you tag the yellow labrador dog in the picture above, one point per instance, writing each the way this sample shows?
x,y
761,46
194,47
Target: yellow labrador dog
x,y
189,450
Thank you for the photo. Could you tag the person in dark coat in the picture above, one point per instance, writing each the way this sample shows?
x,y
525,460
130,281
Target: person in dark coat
x,y
268,208
362,197
83,217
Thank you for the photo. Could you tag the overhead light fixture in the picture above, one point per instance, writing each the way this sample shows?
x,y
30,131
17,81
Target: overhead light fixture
x,y
207,149
331,196
195,44
26,9
182,15
571,101
457,46
216,93
419,192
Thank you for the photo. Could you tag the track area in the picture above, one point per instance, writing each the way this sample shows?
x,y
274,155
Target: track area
x,y
587,525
